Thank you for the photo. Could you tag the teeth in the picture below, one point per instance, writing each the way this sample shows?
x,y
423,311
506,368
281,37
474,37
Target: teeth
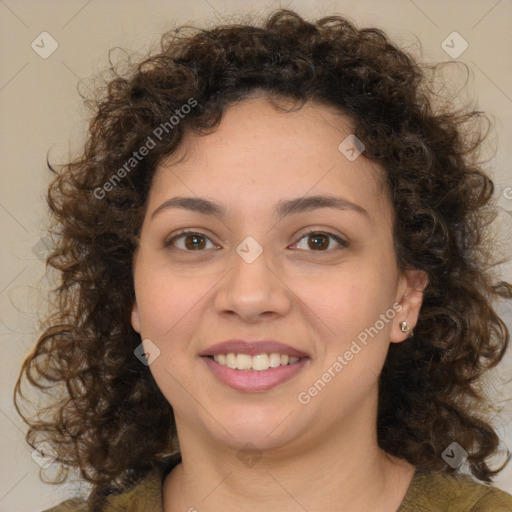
x,y
258,363
243,362
230,361
275,360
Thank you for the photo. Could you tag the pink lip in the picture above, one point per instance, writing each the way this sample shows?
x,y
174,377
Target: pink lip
x,y
252,348
252,380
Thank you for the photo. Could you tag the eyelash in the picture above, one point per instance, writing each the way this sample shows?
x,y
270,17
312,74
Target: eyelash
x,y
342,243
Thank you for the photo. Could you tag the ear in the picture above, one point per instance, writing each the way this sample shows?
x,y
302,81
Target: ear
x,y
409,298
135,317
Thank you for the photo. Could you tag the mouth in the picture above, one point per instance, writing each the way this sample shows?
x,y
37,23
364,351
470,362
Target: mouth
x,y
257,363
255,373
254,365
270,348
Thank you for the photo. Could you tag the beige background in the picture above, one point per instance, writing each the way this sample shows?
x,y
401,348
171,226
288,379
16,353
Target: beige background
x,y
41,111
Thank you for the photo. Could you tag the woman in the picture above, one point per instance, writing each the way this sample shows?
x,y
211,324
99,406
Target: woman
x,y
273,288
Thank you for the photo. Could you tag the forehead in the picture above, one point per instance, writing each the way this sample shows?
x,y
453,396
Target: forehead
x,y
259,153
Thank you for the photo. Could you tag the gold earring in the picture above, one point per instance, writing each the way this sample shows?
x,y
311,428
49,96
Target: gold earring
x,y
405,328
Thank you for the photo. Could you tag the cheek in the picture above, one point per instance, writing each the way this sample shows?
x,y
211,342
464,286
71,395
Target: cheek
x,y
350,303
163,302
167,309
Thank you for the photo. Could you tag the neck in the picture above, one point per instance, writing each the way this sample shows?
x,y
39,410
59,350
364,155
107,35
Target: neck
x,y
345,470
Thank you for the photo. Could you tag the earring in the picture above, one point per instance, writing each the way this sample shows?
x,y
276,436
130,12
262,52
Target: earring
x,y
405,328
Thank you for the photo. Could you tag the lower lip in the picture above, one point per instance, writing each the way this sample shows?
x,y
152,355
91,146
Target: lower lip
x,y
252,380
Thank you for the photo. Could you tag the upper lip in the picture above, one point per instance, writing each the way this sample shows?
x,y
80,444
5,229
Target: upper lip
x,y
252,348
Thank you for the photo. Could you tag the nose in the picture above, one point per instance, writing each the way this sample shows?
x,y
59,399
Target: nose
x,y
253,291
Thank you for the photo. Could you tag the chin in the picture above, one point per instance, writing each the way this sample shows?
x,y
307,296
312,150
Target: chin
x,y
262,427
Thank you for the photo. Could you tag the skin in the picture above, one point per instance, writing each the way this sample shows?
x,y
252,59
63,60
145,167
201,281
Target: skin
x,y
319,456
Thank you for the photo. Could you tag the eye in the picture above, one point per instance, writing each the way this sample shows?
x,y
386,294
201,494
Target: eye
x,y
319,241
190,241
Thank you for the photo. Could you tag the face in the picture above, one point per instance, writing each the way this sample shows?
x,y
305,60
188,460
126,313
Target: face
x,y
297,249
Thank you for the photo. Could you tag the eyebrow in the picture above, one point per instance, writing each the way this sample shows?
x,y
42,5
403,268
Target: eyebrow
x,y
284,207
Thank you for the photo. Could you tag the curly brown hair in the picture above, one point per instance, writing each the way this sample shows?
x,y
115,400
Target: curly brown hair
x,y
105,401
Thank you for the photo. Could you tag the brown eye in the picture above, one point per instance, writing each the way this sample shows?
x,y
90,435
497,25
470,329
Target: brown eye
x,y
194,242
190,241
320,242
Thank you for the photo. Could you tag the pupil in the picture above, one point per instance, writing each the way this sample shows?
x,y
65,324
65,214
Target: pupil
x,y
193,245
321,238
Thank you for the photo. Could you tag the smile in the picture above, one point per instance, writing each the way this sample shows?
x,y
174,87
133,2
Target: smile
x,y
259,362
254,373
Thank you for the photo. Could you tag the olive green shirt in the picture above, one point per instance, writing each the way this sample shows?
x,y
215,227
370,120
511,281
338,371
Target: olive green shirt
x,y
428,492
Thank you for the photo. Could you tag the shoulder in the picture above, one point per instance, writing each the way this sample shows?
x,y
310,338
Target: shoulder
x,y
74,505
145,495
439,492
